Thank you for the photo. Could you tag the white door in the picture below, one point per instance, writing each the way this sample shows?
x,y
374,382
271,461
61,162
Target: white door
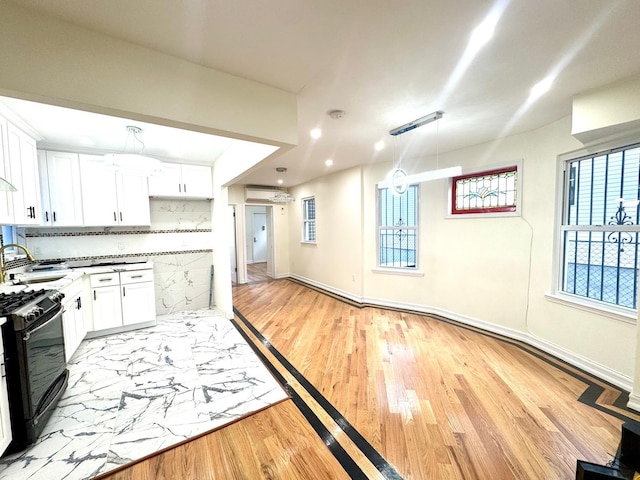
x,y
259,237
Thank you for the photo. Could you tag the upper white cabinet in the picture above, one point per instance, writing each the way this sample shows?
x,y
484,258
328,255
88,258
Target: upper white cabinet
x,y
6,198
182,181
60,188
110,198
23,165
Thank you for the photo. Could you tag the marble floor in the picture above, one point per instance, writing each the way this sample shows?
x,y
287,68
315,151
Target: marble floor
x,y
134,393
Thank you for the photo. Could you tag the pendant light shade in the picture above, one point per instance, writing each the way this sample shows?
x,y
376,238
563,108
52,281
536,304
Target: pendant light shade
x,y
134,163
5,186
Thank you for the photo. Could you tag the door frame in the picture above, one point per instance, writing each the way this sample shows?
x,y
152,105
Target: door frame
x,y
241,243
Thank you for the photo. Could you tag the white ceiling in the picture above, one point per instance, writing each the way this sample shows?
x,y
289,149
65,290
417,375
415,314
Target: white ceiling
x,y
383,62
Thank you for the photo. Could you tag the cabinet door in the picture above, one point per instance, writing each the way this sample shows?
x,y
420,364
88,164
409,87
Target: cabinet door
x,y
99,197
138,303
6,198
63,187
197,181
73,326
68,330
168,183
133,200
24,176
106,307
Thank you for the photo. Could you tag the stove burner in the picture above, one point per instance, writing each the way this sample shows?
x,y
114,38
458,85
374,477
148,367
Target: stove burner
x,y
9,302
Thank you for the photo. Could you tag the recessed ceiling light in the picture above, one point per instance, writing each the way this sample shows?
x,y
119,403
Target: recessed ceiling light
x,y
316,133
328,162
379,146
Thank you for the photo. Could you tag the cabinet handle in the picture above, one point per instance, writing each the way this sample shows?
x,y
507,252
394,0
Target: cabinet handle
x,y
180,187
124,292
54,217
115,219
185,188
120,216
136,276
94,295
105,279
46,216
79,303
33,210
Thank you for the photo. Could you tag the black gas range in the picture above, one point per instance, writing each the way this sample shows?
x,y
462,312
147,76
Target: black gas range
x,y
36,370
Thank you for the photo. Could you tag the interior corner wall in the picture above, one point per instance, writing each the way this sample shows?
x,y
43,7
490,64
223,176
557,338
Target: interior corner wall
x,y
47,60
335,259
491,272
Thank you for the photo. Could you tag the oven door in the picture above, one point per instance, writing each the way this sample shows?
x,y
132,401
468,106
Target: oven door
x,y
45,364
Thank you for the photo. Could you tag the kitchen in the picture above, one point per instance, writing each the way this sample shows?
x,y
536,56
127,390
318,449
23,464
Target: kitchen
x,y
96,272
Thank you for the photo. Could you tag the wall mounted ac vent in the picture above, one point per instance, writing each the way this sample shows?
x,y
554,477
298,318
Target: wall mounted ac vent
x,y
259,193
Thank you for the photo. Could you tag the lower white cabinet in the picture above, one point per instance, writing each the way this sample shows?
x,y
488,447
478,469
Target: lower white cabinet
x,y
73,322
5,420
121,299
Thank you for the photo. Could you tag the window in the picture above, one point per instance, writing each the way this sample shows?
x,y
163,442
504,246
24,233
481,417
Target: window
x,y
491,191
309,220
398,228
599,231
8,236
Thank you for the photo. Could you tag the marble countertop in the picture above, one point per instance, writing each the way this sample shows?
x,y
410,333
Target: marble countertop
x,y
60,278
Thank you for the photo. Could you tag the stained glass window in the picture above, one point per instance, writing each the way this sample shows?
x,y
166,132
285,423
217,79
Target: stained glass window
x,y
485,192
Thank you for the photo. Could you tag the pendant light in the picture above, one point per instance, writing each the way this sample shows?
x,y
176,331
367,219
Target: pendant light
x,y
397,179
281,195
134,163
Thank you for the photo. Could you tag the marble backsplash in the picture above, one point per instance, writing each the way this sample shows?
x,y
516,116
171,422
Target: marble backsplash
x,y
179,242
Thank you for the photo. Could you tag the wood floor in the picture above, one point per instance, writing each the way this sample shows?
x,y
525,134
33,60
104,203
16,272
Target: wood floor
x,y
257,272
389,394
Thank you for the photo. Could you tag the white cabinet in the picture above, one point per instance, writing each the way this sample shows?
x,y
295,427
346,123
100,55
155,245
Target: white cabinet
x,y
182,181
5,421
6,198
122,299
24,176
73,324
110,198
138,296
61,191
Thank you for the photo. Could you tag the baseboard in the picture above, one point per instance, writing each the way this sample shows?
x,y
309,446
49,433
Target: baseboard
x,y
600,371
634,402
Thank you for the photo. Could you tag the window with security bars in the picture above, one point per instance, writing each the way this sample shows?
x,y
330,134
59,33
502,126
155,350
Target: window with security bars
x,y
309,219
600,227
491,191
398,228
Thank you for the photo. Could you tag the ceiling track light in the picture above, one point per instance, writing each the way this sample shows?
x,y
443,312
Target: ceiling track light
x,y
432,117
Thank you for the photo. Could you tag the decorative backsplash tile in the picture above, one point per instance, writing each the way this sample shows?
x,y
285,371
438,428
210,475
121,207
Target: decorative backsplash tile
x,y
179,242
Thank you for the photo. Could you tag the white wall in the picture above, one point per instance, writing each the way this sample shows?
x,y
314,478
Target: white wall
x,y
336,258
54,62
492,272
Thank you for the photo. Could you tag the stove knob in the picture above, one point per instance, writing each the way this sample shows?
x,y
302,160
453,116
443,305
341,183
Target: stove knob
x,y
39,311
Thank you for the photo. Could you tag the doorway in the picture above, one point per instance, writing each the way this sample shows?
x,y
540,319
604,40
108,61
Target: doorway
x,y
258,243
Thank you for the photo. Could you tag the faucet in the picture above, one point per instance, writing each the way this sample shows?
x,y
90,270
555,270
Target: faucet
x,y
2,264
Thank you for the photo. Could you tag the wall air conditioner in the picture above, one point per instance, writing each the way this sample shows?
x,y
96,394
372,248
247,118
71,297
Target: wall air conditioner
x,y
259,193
